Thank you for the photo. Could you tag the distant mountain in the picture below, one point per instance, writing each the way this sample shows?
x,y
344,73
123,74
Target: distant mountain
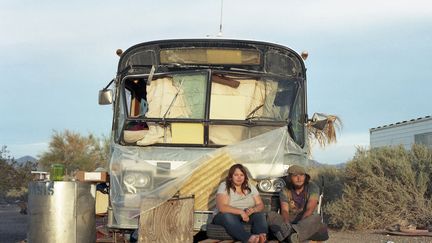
x,y
314,163
340,165
26,158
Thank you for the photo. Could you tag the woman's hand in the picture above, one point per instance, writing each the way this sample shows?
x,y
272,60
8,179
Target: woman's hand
x,y
250,211
245,216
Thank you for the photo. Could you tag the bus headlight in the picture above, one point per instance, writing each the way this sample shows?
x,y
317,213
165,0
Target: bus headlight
x,y
142,180
136,180
278,184
271,185
129,179
265,185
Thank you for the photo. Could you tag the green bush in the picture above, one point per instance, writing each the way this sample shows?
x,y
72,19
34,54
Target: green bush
x,y
382,187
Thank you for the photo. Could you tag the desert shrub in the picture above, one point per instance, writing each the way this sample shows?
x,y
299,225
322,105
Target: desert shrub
x,y
330,179
421,157
17,194
382,187
75,151
15,177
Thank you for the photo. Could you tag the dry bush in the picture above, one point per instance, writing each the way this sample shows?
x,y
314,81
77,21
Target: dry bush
x,y
421,158
382,187
75,151
330,180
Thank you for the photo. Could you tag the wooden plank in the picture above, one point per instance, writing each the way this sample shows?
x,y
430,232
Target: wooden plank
x,y
421,233
170,222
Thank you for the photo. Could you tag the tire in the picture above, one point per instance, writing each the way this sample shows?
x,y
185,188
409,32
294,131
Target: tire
x,y
218,232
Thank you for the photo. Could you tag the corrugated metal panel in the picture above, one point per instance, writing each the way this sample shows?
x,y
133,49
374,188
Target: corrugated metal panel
x,y
401,133
205,180
402,123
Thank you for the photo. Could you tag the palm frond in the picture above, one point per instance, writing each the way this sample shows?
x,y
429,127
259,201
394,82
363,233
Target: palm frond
x,y
322,129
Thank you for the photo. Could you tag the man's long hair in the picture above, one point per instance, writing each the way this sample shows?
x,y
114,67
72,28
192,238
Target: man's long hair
x,y
289,183
229,179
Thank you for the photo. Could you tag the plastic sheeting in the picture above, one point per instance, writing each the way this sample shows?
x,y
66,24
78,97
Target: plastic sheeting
x,y
144,177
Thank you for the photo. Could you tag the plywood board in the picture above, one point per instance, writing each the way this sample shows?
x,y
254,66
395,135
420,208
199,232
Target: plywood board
x,y
190,133
101,203
170,222
227,107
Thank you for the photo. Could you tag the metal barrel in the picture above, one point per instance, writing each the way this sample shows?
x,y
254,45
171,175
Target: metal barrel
x,y
61,211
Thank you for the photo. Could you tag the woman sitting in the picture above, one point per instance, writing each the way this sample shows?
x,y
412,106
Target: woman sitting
x,y
236,202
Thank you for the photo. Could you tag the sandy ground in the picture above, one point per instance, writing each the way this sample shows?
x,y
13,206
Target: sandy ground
x,y
370,236
13,225
13,228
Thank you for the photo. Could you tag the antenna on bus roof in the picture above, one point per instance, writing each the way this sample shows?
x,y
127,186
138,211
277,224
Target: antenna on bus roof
x,y
220,34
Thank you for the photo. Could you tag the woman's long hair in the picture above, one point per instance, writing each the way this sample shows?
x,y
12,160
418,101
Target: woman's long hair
x,y
229,179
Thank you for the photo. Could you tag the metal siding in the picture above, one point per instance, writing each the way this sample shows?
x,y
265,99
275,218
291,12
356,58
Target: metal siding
x,y
399,134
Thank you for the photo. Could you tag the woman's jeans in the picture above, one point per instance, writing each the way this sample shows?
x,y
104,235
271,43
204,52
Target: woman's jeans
x,y
233,225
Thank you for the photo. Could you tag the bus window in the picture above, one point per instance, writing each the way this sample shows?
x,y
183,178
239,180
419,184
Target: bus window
x,y
177,96
297,121
172,96
236,98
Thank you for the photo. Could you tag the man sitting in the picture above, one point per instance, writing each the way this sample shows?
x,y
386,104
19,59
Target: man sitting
x,y
299,220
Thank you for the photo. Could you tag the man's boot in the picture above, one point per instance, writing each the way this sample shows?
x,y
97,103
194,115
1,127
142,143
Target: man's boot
x,y
279,228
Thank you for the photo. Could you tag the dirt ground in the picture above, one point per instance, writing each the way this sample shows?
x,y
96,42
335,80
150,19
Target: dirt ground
x,y
371,236
13,228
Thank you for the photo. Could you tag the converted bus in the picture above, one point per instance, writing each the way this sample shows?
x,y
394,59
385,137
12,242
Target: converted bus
x,y
185,110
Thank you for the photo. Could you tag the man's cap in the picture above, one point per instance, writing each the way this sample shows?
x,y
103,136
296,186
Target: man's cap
x,y
296,170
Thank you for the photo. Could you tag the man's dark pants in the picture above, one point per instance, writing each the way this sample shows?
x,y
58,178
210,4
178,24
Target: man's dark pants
x,y
310,228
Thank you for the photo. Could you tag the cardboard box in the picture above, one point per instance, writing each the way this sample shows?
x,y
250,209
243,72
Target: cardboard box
x,y
91,176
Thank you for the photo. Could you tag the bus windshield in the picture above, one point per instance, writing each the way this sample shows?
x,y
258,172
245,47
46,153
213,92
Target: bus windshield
x,y
239,106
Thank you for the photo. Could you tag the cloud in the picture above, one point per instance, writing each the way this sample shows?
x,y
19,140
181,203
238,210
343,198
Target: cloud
x,y
314,17
343,150
72,23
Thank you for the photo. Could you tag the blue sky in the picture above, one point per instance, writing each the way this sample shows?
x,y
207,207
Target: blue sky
x,y
369,61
